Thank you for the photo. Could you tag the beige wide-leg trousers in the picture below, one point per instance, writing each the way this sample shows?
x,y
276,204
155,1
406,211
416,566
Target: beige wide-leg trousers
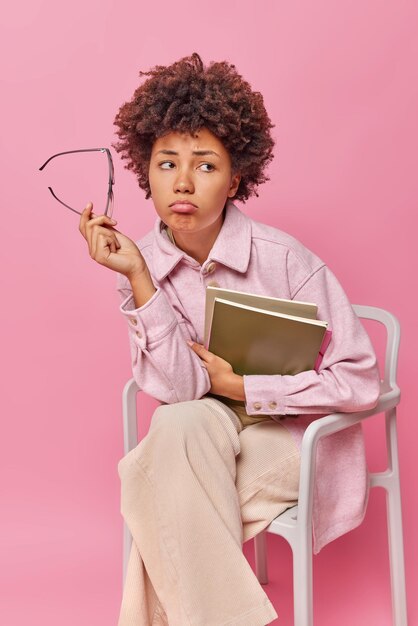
x,y
193,490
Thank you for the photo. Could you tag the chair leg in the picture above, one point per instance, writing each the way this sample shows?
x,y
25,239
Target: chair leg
x,y
302,583
395,534
261,558
127,544
396,556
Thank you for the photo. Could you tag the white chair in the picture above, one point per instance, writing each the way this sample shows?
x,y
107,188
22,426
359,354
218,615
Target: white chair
x,y
295,524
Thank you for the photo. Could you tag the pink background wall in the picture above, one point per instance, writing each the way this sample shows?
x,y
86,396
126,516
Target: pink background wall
x,y
340,83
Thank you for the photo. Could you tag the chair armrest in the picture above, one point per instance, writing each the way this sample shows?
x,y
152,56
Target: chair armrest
x,y
323,426
339,421
130,429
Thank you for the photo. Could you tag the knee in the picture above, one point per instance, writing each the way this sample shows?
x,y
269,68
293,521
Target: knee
x,y
181,416
164,422
127,463
123,465
191,425
162,414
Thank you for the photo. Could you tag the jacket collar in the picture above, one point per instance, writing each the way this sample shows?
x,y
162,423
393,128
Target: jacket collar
x,y
231,248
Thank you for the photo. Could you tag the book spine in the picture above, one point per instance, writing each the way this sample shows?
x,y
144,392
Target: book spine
x,y
324,345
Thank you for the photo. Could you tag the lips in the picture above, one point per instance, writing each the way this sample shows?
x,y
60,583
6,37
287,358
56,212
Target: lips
x,y
183,207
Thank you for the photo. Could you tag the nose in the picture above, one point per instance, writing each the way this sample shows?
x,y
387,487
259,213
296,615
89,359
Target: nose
x,y
184,183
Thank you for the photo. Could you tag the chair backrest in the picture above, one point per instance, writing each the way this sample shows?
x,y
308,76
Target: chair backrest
x,y
392,340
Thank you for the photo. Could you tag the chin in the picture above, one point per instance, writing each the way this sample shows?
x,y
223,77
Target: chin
x,y
182,222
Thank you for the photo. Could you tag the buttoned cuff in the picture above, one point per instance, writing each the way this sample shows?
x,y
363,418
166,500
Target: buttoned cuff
x,y
263,395
150,322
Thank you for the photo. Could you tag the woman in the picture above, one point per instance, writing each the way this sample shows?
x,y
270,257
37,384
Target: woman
x,y
221,458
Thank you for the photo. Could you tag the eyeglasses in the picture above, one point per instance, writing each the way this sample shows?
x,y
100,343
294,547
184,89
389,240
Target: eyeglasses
x,y
109,204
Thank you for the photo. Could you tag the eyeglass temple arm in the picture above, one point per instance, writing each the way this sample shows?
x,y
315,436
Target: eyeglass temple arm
x,y
86,150
68,207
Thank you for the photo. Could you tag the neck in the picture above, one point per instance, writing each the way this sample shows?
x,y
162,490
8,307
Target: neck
x,y
199,244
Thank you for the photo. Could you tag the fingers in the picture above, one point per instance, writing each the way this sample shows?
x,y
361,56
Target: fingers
x,y
201,351
85,217
99,234
103,240
88,220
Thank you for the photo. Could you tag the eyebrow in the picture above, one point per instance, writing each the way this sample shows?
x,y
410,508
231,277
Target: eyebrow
x,y
195,152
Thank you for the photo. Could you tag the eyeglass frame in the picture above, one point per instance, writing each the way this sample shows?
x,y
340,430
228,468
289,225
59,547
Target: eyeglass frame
x,y
111,181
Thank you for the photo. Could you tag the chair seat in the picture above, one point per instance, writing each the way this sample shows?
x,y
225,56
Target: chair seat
x,y
285,523
287,519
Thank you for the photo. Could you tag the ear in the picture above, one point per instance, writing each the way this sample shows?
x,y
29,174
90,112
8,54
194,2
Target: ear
x,y
235,181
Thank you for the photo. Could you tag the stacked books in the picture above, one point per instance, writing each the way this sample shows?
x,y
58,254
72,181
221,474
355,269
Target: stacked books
x,y
264,335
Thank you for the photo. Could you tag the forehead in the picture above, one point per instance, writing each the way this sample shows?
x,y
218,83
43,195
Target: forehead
x,y
202,139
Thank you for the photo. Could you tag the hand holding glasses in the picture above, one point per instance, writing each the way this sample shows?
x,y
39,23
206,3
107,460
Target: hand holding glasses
x,y
111,181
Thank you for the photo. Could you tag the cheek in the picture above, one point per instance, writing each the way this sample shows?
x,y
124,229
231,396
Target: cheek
x,y
151,177
156,185
218,187
154,172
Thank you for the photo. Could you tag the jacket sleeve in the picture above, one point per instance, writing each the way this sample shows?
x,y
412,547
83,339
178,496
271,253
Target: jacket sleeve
x,y
163,365
348,378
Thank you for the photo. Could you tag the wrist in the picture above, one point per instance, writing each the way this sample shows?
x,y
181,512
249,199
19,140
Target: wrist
x,y
142,286
236,389
138,274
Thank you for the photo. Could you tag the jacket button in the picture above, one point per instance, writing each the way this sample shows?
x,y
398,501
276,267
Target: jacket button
x,y
133,321
273,404
138,334
257,406
211,268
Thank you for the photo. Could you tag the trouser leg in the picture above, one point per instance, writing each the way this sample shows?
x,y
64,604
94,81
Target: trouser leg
x,y
140,603
181,504
267,479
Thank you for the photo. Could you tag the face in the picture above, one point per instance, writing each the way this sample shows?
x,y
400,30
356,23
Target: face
x,y
191,179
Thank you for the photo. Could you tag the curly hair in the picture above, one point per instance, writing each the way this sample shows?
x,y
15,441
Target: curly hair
x,y
186,97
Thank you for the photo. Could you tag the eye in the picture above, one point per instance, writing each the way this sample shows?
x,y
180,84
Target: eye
x,y
165,165
212,167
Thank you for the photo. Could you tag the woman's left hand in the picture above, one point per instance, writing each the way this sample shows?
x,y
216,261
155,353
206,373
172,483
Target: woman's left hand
x,y
224,382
